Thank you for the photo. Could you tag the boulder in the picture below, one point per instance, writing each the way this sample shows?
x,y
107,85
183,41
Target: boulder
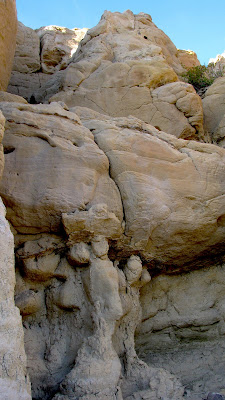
x,y
120,67
214,111
58,44
8,24
116,70
61,169
172,189
188,58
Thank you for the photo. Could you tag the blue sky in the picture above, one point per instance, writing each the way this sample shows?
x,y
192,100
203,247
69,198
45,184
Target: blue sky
x,y
192,24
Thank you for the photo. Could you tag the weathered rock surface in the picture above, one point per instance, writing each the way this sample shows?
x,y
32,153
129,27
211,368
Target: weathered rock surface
x,y
27,53
49,141
214,111
9,97
14,383
120,68
40,53
8,24
58,44
119,225
86,239
188,58
183,327
172,189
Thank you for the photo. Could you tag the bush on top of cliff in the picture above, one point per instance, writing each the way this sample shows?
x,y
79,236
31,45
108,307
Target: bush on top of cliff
x,y
201,76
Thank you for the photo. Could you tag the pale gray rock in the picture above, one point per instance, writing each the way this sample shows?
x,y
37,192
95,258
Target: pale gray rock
x,y
214,111
183,328
24,84
14,382
27,53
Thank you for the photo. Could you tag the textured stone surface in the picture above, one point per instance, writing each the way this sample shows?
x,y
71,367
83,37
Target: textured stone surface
x,y
49,141
117,67
27,54
8,25
40,53
24,84
183,327
58,44
14,383
188,58
214,111
173,198
9,97
119,227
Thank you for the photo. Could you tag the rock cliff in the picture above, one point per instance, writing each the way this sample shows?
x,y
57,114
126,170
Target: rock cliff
x,y
117,205
8,23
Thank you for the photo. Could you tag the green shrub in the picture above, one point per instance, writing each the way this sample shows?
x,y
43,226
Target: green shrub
x,y
201,76
198,77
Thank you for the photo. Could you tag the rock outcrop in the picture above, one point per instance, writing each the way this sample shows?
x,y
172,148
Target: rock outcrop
x,y
14,383
88,241
214,111
58,44
118,215
188,58
8,24
127,66
40,53
183,327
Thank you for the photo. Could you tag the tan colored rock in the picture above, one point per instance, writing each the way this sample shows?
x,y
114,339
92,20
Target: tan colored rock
x,y
188,58
14,382
27,54
4,96
177,104
98,220
214,111
8,24
58,44
2,129
117,69
172,190
50,141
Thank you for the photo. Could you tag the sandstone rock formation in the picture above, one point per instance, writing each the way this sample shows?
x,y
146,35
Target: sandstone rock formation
x,y
8,24
40,53
86,242
119,225
14,382
214,111
58,44
188,58
127,66
183,327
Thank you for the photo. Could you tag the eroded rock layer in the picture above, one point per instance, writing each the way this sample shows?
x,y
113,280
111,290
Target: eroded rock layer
x,y
87,241
118,215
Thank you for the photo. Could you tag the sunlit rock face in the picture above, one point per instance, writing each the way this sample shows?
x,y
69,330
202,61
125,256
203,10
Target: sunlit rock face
x,y
127,66
8,24
118,216
188,58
